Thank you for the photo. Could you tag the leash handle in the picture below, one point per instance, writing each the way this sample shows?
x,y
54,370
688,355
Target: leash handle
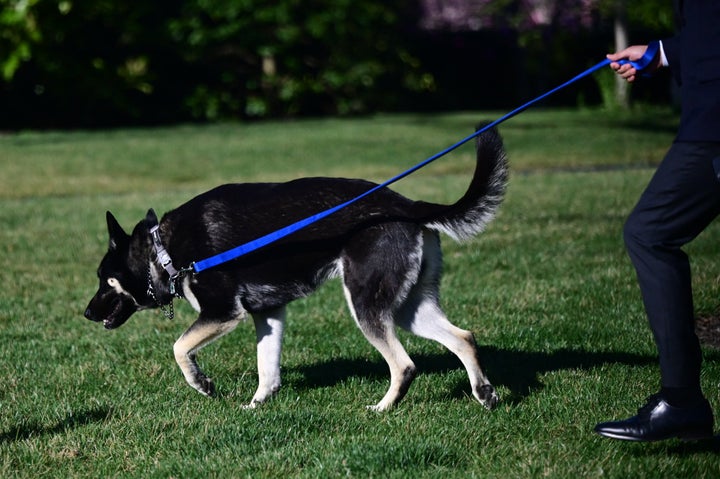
x,y
643,62
258,243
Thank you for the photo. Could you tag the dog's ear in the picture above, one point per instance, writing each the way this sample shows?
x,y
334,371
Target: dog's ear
x,y
115,231
151,217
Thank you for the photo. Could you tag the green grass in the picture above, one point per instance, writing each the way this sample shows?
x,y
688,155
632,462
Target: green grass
x,y
547,290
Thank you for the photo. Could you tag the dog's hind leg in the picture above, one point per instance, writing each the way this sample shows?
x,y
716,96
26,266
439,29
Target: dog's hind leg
x,y
421,314
402,369
380,333
200,334
429,321
269,327
375,281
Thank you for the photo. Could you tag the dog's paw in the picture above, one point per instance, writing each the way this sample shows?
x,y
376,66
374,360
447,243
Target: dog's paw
x,y
487,396
380,407
206,387
252,405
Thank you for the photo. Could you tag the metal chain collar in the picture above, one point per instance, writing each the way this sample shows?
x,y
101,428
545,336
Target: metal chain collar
x,y
167,309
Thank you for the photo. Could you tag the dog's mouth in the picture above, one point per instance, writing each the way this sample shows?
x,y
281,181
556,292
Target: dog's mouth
x,y
111,321
118,311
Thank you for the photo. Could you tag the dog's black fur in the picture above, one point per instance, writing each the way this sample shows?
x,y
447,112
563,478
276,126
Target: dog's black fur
x,y
385,248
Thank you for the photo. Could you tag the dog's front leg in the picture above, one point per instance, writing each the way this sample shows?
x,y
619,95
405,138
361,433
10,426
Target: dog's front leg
x,y
269,327
201,333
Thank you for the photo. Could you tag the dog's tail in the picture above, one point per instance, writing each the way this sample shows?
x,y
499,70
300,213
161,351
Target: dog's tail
x,y
471,214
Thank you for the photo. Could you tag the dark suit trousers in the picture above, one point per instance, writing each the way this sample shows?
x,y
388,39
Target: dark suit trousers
x,y
680,201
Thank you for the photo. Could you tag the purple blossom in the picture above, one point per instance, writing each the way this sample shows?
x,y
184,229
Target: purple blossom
x,y
464,15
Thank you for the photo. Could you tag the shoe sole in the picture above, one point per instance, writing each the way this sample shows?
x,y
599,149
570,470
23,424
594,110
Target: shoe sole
x,y
685,437
700,436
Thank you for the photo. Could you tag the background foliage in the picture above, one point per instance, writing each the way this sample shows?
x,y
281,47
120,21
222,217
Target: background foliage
x,y
108,62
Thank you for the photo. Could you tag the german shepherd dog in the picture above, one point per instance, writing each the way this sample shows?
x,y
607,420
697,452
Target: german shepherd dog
x,y
385,247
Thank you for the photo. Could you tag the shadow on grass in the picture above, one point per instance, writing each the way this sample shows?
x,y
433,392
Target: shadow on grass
x,y
676,448
71,421
516,370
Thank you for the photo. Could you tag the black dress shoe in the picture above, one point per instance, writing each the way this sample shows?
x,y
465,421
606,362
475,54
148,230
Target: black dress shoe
x,y
658,420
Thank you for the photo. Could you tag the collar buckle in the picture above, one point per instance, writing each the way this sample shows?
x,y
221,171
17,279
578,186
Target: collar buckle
x,y
162,255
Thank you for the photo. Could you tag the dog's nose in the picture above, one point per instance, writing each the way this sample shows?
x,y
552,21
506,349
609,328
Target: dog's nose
x,y
89,314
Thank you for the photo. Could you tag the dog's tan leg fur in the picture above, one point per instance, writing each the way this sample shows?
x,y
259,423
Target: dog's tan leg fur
x,y
430,322
200,334
269,327
402,369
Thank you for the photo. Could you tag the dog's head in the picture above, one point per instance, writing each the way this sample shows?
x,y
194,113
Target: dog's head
x,y
123,277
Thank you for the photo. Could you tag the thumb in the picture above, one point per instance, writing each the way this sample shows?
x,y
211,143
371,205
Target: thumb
x,y
625,53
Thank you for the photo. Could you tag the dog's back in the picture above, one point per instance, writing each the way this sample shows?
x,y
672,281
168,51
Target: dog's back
x,y
234,214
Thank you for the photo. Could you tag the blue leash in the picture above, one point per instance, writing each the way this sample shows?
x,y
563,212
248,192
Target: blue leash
x,y
253,245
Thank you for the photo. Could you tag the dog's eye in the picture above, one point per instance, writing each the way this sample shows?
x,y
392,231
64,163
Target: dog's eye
x,y
115,284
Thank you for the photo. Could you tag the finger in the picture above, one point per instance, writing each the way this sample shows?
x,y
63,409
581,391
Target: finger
x,y
627,70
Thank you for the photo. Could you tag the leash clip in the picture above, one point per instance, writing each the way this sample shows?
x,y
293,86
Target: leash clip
x,y
175,289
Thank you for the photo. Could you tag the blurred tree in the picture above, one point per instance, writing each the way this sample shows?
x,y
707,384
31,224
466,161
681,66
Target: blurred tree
x,y
18,32
258,58
551,32
204,59
99,62
65,62
130,61
647,14
524,15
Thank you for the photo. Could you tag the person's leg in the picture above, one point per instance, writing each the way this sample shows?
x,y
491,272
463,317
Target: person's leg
x,y
682,198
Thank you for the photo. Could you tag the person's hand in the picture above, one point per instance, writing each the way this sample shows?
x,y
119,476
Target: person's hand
x,y
633,53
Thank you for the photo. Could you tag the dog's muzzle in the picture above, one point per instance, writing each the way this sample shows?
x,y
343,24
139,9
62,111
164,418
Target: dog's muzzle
x,y
110,309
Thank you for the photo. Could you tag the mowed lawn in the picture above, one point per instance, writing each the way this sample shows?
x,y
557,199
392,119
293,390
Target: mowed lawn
x,y
547,290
